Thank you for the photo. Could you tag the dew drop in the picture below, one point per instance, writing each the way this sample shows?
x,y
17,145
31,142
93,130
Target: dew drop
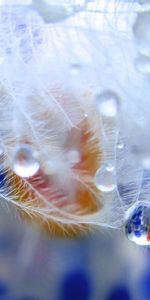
x,y
146,162
142,64
107,103
120,146
137,224
109,167
141,31
105,179
25,163
55,10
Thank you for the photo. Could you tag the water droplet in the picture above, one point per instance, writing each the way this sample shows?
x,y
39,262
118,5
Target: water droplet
x,y
105,179
146,162
120,146
142,64
107,103
25,163
55,10
137,224
141,31
73,157
110,167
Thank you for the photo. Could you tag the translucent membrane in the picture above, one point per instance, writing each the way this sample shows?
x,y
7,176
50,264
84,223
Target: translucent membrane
x,y
75,111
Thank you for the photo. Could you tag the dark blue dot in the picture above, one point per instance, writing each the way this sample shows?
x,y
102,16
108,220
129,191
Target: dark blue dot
x,y
120,293
2,179
4,289
76,285
137,233
137,221
128,229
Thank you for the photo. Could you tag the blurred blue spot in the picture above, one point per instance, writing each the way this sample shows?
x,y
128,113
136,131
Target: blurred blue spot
x,y
24,298
120,293
145,286
2,179
4,289
76,286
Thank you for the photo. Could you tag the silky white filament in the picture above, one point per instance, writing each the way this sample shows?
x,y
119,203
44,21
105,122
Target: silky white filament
x,y
74,79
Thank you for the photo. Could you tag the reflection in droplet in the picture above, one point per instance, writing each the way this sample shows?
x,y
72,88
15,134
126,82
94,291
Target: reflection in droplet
x,y
107,103
141,31
105,179
25,163
110,167
55,10
142,64
137,224
120,146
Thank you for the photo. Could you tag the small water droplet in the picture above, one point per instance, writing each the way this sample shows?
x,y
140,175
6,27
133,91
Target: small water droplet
x,y
110,167
55,10
25,163
142,64
105,179
137,224
120,146
146,162
107,103
141,31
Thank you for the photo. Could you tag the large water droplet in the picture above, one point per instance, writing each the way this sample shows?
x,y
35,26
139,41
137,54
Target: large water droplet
x,y
25,163
107,103
55,10
105,179
141,30
142,64
137,224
